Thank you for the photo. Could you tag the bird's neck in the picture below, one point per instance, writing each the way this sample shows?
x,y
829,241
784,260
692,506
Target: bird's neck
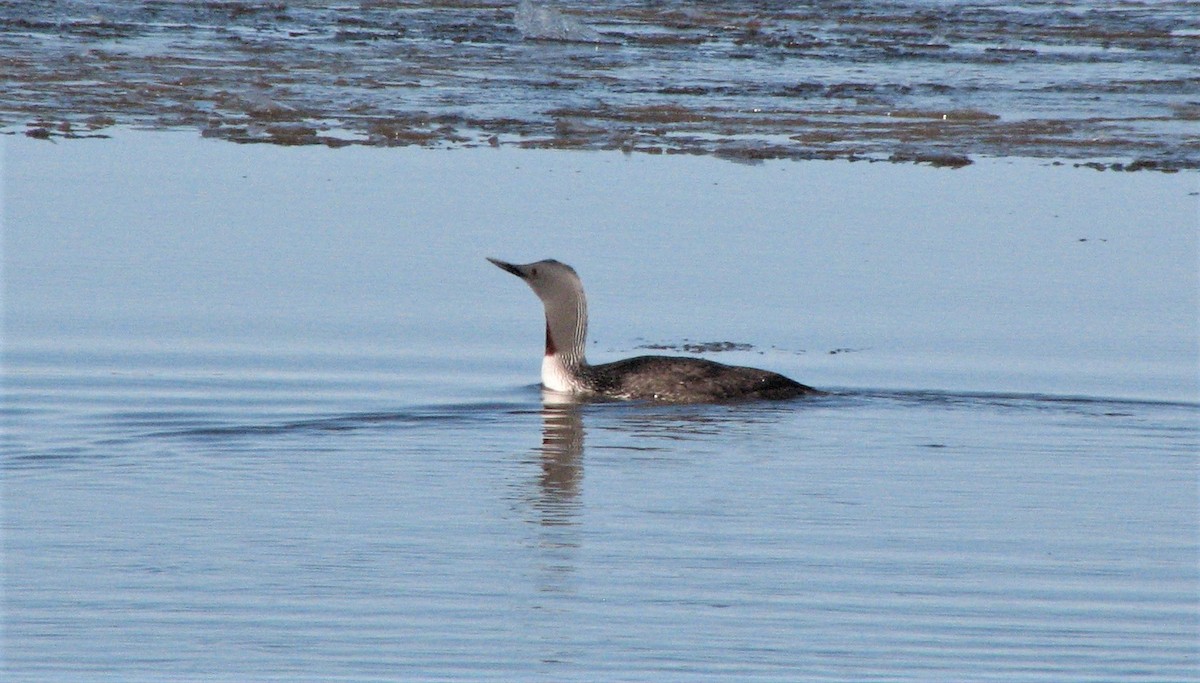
x,y
564,364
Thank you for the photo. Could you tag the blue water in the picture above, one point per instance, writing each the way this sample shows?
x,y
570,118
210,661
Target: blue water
x,y
269,415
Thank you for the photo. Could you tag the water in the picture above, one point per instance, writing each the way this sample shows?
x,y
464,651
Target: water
x,y
269,415
1105,82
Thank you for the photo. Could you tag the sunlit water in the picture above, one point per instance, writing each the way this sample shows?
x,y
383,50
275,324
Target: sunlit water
x,y
269,415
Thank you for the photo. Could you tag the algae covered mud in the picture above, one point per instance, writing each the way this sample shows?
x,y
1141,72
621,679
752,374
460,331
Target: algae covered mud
x,y
1110,83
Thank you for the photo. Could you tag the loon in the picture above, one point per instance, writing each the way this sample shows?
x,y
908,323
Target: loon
x,y
668,379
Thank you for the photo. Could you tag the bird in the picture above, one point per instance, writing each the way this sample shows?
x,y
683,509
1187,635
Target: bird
x,y
663,379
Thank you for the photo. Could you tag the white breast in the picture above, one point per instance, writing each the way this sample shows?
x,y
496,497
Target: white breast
x,y
555,376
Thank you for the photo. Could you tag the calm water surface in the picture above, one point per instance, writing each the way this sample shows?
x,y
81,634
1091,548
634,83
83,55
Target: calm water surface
x,y
269,415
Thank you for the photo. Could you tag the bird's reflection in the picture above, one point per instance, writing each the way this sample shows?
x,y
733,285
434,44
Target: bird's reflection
x,y
553,494
639,428
561,461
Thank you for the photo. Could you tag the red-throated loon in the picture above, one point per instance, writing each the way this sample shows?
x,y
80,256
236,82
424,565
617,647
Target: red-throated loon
x,y
656,378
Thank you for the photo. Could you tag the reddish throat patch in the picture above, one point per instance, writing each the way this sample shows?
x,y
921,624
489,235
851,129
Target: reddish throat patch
x,y
550,349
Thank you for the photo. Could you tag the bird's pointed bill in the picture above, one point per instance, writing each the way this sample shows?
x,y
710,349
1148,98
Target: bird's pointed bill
x,y
515,270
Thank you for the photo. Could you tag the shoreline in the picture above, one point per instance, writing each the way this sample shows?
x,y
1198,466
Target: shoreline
x,y
339,138
1112,87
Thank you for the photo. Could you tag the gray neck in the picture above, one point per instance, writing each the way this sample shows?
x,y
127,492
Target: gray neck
x,y
566,330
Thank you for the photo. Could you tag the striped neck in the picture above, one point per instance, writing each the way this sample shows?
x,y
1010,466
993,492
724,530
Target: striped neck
x,y
564,365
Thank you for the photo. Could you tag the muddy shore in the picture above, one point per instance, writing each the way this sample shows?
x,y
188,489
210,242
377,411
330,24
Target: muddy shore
x,y
1105,84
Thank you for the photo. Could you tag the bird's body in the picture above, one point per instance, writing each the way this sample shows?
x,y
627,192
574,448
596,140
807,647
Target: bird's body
x,y
657,378
675,379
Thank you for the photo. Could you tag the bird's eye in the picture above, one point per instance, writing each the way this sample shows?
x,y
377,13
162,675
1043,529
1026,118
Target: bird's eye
x,y
533,272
